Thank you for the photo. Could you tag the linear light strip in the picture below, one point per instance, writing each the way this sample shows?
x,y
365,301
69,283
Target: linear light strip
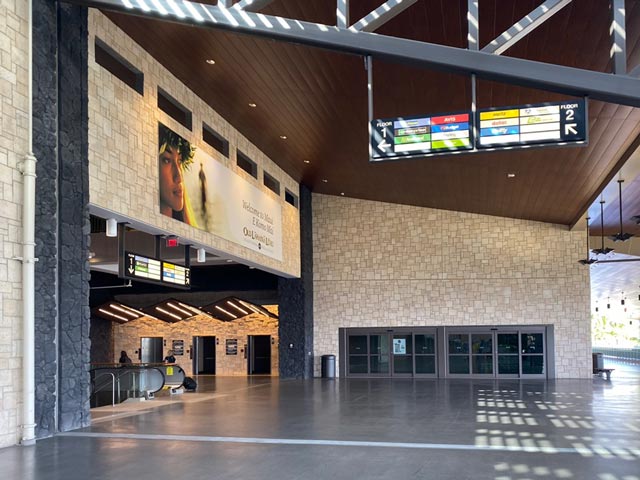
x,y
168,313
225,311
107,312
248,305
187,313
132,310
123,310
237,307
195,310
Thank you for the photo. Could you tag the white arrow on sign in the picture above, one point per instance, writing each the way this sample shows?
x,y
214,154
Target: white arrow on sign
x,y
570,128
131,270
383,145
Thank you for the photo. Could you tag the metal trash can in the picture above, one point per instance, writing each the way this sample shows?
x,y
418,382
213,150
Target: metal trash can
x,y
598,362
328,368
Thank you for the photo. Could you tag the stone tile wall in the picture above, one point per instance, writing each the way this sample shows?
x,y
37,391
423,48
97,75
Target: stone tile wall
x,y
127,337
379,264
13,147
123,136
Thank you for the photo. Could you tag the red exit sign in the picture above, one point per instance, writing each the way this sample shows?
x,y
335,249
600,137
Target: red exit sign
x,y
172,242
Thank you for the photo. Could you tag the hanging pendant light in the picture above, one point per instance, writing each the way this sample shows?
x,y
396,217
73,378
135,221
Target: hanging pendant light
x,y
621,236
602,250
588,260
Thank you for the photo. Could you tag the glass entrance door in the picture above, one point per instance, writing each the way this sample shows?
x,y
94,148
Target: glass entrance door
x,y
379,357
514,354
508,354
401,354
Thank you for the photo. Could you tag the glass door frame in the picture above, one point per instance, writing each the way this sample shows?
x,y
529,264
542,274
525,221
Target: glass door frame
x,y
513,329
441,344
390,332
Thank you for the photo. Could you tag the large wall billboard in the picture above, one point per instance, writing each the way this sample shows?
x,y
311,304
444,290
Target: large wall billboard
x,y
198,190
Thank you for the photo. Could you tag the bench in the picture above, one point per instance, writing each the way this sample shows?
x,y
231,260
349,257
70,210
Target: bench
x,y
606,371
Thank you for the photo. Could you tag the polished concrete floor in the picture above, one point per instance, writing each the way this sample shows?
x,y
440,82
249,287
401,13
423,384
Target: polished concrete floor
x,y
263,428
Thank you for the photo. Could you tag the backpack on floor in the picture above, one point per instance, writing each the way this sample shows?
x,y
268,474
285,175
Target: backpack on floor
x,y
189,384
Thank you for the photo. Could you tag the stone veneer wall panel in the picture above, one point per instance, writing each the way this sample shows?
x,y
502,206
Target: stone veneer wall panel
x,y
123,136
13,148
127,337
379,264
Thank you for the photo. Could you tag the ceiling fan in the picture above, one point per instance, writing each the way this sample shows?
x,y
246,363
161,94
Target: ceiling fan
x,y
602,250
588,260
620,237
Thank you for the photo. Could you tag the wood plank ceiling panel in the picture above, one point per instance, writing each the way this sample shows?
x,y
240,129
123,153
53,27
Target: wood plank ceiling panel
x,y
318,99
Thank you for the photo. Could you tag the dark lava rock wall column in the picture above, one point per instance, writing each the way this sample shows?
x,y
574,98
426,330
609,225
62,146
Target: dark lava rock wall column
x,y
295,297
62,217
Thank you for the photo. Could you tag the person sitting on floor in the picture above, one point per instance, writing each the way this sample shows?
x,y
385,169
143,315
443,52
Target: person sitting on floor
x,y
170,358
124,358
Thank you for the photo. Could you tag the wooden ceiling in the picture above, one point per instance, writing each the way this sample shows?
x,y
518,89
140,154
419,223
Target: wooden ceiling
x,y
318,99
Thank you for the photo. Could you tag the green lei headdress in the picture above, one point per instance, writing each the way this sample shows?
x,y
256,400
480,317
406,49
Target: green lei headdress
x,y
169,138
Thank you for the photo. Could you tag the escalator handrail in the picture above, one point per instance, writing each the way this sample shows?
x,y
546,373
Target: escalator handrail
x,y
126,368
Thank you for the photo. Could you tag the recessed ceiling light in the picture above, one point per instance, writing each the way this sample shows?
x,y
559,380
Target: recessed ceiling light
x,y
211,61
325,180
307,161
511,175
283,137
253,105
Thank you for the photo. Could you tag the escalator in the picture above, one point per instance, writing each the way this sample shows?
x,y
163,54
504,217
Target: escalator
x,y
112,384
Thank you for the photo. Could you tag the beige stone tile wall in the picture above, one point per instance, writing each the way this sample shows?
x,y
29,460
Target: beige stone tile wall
x,y
379,264
13,148
127,337
123,136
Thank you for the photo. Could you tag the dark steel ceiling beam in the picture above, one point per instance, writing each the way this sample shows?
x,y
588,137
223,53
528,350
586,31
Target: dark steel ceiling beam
x,y
618,37
252,5
381,15
525,26
473,25
342,13
621,89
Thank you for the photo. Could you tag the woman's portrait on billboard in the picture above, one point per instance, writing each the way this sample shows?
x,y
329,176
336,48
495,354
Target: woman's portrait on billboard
x,y
174,158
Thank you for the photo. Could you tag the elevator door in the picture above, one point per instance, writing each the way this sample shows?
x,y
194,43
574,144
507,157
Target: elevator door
x,y
204,355
150,350
259,355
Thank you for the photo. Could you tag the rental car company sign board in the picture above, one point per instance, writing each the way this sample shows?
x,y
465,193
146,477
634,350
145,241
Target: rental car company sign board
x,y
548,124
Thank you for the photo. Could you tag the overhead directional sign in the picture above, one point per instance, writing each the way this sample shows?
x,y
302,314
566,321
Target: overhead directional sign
x,y
137,266
419,136
152,270
177,274
545,123
561,123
